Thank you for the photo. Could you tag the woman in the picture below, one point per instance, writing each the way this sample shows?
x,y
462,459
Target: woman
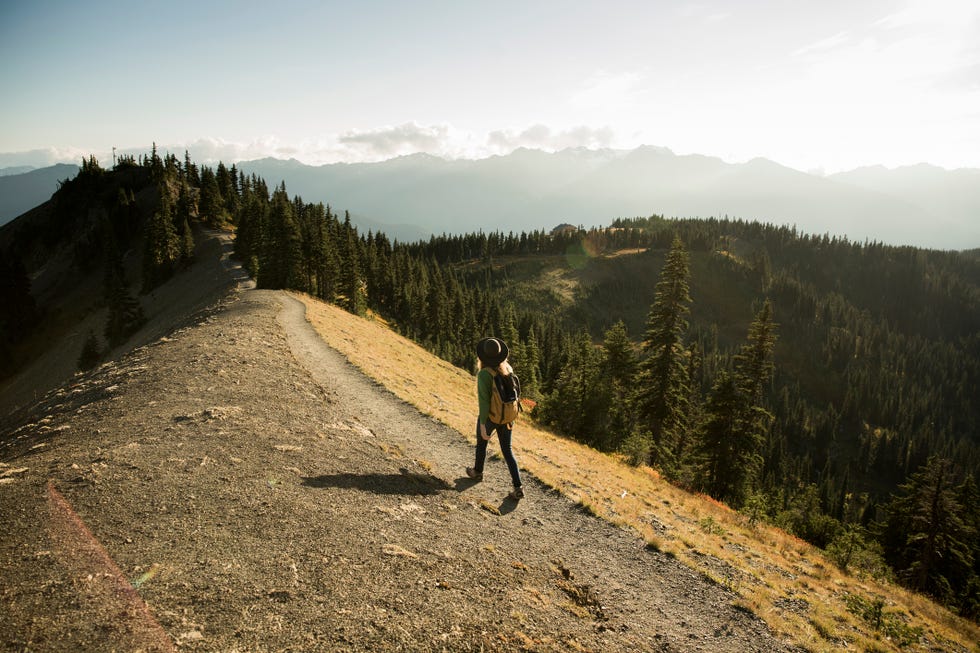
x,y
492,355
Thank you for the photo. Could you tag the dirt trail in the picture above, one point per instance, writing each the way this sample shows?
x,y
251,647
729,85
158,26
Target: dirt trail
x,y
262,494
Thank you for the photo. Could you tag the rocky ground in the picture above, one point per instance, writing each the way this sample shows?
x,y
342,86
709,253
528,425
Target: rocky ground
x,y
237,486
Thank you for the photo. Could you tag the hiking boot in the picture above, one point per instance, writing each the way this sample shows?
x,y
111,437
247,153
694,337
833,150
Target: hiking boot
x,y
517,494
475,475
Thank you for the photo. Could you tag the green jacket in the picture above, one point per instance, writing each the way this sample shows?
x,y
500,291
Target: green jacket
x,y
484,388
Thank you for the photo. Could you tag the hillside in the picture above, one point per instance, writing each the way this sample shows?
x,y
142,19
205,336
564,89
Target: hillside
x,y
334,518
337,517
859,327
65,256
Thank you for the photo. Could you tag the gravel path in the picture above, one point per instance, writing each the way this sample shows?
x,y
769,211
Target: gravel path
x,y
263,495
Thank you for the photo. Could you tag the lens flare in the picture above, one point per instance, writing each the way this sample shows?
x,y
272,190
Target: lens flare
x,y
147,575
577,254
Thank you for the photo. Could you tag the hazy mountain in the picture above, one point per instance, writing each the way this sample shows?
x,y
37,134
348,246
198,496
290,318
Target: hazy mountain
x,y
413,196
22,192
952,196
530,189
15,170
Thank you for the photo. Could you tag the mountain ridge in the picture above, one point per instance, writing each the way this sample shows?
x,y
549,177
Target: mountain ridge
x,y
413,196
532,189
21,192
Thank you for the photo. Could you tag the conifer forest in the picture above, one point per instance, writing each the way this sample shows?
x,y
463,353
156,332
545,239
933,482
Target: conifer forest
x,y
829,387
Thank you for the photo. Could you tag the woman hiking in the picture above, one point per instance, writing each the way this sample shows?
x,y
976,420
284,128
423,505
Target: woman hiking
x,y
492,354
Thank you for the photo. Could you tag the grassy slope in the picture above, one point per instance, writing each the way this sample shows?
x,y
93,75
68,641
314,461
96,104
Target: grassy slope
x,y
778,577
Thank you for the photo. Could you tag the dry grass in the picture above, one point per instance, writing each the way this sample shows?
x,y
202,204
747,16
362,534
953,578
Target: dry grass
x,y
766,569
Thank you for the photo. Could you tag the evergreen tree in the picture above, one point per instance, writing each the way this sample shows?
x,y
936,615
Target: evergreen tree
x,y
183,214
968,590
156,165
754,362
724,477
20,311
619,370
211,206
162,245
579,403
91,352
686,443
924,534
190,171
805,518
352,284
508,331
734,433
186,239
281,262
662,392
328,265
531,375
227,182
125,314
252,228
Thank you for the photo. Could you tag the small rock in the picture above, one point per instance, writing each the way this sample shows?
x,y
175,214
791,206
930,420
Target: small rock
x,y
395,550
190,636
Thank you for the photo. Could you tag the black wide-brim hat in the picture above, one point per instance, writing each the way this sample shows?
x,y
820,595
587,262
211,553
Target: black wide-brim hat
x,y
492,351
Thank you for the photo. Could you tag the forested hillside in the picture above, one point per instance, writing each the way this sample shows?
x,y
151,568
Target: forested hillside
x,y
825,385
103,238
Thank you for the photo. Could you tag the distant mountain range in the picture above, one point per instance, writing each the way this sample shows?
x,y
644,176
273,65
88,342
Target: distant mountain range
x,y
21,192
15,170
414,196
420,194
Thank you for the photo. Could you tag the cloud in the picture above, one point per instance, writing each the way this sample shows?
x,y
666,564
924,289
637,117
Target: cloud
x,y
544,138
941,39
351,146
605,90
44,157
933,14
897,90
823,45
701,11
408,138
210,150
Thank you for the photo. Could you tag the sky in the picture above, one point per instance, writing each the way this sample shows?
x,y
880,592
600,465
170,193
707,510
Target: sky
x,y
818,86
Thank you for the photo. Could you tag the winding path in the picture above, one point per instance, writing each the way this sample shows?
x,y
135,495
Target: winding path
x,y
640,599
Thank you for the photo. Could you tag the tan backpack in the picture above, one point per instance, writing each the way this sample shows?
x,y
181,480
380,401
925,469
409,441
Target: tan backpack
x,y
505,398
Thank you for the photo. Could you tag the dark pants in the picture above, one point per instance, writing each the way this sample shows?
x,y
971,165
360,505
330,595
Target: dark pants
x,y
503,434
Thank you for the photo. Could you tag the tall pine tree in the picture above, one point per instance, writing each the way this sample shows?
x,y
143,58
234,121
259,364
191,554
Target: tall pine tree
x,y
662,387
162,246
734,433
925,535
619,369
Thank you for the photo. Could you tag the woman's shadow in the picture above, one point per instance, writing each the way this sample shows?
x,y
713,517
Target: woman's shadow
x,y
403,483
